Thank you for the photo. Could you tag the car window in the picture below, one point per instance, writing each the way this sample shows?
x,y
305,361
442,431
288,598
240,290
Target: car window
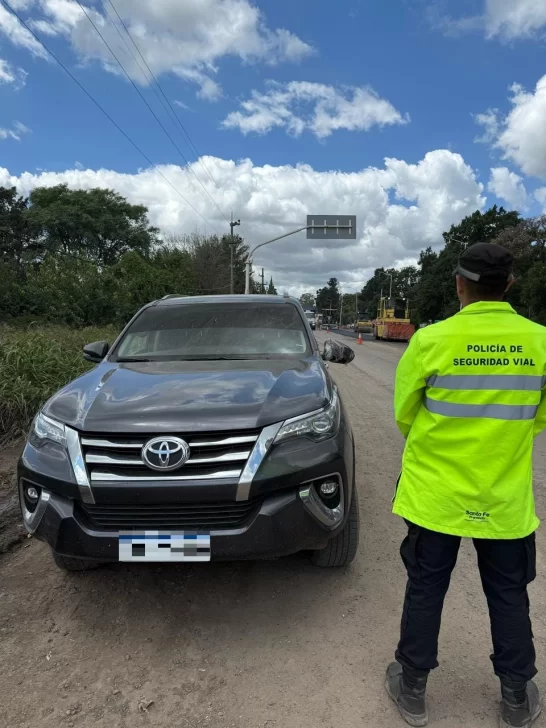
x,y
210,331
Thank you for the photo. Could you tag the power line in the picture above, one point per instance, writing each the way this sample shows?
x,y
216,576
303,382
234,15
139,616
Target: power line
x,y
163,99
150,109
103,110
177,117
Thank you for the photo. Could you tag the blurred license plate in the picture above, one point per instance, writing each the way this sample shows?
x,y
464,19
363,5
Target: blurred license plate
x,y
164,546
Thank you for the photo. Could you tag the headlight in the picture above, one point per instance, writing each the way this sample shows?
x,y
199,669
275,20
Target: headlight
x,y
318,426
44,428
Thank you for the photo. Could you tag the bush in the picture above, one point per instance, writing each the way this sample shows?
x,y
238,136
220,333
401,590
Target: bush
x,y
34,363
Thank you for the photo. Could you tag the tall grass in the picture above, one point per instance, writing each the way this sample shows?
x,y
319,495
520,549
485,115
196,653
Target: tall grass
x,y
34,363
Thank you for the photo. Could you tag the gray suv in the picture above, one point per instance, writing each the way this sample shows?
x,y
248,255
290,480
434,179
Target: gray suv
x,y
210,429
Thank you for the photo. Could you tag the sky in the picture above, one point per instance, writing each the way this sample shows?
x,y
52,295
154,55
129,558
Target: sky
x,y
409,114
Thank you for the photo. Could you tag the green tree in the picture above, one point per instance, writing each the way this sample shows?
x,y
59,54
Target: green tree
x,y
174,266
527,242
16,233
138,282
99,224
437,297
368,301
328,299
211,261
307,300
482,227
349,313
272,291
70,291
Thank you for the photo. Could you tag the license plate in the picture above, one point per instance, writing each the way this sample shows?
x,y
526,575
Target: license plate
x,y
164,546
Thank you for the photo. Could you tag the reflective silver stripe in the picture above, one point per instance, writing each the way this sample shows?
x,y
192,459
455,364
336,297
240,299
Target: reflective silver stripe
x,y
521,382
490,411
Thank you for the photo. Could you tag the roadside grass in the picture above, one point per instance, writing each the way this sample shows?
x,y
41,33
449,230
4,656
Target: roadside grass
x,y
35,361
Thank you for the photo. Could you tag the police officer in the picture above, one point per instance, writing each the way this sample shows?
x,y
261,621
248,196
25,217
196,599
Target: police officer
x,y
469,397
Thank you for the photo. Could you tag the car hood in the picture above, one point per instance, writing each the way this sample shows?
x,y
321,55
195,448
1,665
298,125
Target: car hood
x,y
190,396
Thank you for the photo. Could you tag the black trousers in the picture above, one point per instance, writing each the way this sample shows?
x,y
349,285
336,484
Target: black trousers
x,y
506,568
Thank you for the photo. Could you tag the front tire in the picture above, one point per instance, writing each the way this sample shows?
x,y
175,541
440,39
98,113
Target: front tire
x,y
341,550
68,563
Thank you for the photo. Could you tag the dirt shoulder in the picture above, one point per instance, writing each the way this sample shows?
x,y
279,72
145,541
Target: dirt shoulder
x,y
250,645
11,527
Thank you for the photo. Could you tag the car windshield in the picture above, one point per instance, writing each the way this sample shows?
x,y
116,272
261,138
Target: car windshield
x,y
214,331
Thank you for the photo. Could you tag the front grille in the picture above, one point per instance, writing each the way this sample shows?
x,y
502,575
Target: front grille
x,y
213,456
203,516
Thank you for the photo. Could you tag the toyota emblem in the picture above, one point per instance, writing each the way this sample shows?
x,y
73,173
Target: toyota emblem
x,y
165,453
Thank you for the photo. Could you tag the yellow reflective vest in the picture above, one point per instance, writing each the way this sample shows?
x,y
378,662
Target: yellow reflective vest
x,y
469,397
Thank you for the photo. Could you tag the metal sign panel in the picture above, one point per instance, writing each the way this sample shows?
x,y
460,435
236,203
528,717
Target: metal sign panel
x,y
331,227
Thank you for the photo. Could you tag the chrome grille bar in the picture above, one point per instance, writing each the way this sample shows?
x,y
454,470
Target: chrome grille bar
x,y
131,445
100,459
213,456
106,475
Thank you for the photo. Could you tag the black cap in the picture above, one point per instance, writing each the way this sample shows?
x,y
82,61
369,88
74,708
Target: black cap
x,y
486,263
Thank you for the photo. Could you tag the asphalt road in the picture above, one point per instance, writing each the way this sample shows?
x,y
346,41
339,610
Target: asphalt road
x,y
251,645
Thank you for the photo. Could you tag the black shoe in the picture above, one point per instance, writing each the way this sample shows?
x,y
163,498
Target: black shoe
x,y
410,702
517,714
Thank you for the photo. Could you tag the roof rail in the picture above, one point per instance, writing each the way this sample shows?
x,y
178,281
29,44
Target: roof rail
x,y
174,295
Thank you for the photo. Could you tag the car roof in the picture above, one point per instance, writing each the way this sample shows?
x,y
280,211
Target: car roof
x,y
174,300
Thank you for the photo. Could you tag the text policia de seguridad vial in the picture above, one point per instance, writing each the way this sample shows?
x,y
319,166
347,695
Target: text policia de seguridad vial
x,y
512,349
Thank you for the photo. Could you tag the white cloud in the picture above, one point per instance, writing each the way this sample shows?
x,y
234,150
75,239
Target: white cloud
x,y
401,208
540,196
182,105
186,38
521,135
11,75
16,132
452,27
514,18
508,186
19,36
319,108
503,19
490,122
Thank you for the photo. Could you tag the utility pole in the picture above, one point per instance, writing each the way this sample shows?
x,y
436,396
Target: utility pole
x,y
331,228
232,224
390,288
263,283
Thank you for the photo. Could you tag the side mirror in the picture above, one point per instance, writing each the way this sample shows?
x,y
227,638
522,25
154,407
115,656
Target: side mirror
x,y
96,351
337,352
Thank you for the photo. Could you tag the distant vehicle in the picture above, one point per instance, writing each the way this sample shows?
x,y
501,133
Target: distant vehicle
x,y
324,327
393,321
363,327
210,430
311,317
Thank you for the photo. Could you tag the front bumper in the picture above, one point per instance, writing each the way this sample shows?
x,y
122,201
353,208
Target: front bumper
x,y
282,524
286,516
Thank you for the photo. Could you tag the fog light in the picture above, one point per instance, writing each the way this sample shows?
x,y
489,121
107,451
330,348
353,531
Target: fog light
x,y
32,494
329,488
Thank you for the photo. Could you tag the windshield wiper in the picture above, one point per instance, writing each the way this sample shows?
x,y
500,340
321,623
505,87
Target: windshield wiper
x,y
231,358
127,359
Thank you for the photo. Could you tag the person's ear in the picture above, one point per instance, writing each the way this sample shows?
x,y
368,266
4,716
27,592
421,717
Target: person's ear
x,y
510,283
460,285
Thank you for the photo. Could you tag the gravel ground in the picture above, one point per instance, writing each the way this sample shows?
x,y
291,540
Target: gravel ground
x,y
250,645
11,528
